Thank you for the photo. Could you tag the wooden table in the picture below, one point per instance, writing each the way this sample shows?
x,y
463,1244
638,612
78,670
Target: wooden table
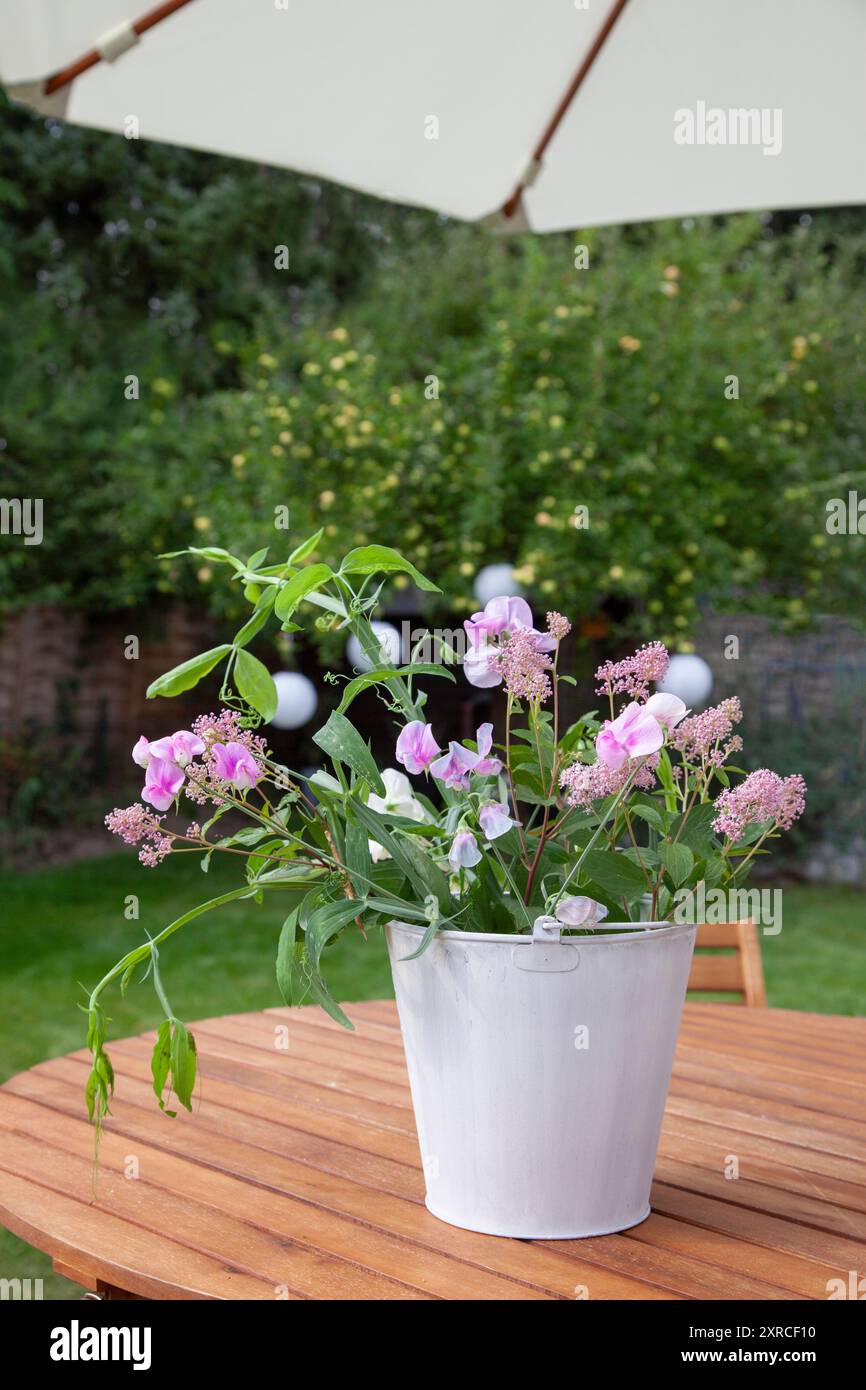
x,y
298,1175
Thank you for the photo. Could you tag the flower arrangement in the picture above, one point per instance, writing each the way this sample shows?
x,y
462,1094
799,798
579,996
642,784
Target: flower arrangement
x,y
577,824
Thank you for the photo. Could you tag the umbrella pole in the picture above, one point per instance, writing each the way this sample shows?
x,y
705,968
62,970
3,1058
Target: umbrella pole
x,y
112,45
511,204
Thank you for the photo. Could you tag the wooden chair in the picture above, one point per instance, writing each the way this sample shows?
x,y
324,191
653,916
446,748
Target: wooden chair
x,y
739,971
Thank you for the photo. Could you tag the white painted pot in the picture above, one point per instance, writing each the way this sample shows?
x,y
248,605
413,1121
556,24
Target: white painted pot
x,y
539,1070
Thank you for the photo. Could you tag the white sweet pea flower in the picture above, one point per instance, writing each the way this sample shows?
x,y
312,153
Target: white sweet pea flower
x,y
579,912
668,710
397,801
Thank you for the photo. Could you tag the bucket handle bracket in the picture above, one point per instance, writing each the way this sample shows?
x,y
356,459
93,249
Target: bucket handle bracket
x,y
547,952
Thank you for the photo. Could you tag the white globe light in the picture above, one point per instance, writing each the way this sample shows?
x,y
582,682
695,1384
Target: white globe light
x,y
689,677
390,648
493,581
296,700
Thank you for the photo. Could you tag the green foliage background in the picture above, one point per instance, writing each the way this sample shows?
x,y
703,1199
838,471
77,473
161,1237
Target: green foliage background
x,y
313,389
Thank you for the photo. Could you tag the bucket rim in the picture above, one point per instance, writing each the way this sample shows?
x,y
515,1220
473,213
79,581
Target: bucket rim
x,y
633,931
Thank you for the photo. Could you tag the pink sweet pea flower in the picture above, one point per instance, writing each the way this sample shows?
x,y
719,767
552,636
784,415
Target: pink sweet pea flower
x,y
494,819
485,766
455,766
163,780
185,746
141,753
416,746
579,912
667,709
464,852
633,734
500,615
235,764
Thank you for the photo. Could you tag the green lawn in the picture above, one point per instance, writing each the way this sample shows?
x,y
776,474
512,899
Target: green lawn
x,y
66,926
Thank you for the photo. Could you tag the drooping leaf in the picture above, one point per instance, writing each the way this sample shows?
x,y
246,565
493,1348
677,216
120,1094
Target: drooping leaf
x,y
160,1060
432,928
325,922
256,684
183,1063
287,956
188,673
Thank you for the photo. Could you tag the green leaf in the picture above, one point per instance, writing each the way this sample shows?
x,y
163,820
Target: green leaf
x,y
263,858
397,909
287,956
256,684
615,874
410,858
357,855
215,553
327,921
320,923
428,936
343,744
322,995
648,857
257,619
306,547
386,673
382,559
715,869
258,558
183,1063
677,859
695,828
188,674
651,814
160,1060
295,590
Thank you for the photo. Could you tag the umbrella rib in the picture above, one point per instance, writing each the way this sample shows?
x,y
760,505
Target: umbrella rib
x,y
511,204
64,76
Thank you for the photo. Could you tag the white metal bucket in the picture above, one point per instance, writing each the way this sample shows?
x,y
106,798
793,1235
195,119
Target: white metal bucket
x,y
539,1072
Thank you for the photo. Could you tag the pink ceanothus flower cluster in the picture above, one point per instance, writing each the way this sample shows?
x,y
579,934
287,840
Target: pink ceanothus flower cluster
x,y
760,797
505,647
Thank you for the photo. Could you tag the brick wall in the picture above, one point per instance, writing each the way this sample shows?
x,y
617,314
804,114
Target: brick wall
x,y
67,670
784,677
